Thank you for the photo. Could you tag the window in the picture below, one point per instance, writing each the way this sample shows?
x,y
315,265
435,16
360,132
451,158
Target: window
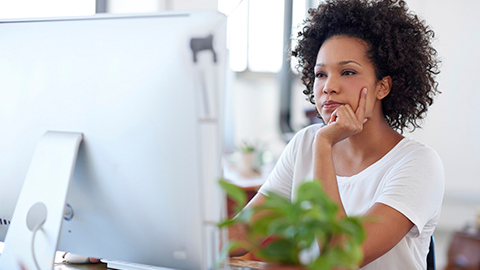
x,y
255,32
45,8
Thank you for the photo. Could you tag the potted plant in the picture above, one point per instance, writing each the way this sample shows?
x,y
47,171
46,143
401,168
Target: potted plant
x,y
247,159
294,226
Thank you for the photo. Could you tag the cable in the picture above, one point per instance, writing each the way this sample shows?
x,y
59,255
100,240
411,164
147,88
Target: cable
x,y
34,233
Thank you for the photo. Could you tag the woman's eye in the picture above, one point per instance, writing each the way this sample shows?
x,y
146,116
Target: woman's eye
x,y
348,72
319,75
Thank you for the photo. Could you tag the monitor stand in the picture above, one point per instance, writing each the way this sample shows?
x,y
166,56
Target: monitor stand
x,y
32,237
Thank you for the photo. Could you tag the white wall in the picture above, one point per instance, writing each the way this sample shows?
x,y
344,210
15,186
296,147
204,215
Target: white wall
x,y
453,126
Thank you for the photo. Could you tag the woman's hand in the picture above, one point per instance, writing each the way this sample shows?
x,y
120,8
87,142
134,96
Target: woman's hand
x,y
344,122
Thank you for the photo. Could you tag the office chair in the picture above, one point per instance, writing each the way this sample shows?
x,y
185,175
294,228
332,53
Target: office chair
x,y
431,255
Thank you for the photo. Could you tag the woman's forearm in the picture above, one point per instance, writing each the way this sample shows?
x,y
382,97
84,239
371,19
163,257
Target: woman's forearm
x,y
324,171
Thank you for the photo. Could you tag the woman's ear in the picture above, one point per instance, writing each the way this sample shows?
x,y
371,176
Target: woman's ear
x,y
385,85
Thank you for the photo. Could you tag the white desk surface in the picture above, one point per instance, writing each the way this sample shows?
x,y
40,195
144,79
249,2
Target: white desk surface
x,y
243,264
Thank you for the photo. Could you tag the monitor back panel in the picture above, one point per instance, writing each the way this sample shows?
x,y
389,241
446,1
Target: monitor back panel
x,y
141,190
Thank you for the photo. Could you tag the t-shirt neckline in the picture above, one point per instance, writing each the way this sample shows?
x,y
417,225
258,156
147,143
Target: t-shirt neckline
x,y
376,163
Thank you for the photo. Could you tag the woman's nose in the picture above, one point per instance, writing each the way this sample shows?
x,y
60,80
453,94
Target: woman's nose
x,y
331,85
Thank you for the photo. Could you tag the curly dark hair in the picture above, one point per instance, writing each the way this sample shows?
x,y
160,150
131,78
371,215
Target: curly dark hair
x,y
399,45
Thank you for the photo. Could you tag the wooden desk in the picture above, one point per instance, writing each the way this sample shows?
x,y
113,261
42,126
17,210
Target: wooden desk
x,y
249,184
244,264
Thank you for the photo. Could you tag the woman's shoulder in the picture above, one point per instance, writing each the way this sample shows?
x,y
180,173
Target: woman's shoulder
x,y
302,140
308,132
412,144
410,148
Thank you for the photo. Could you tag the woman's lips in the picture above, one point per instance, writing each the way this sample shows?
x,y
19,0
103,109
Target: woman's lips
x,y
331,105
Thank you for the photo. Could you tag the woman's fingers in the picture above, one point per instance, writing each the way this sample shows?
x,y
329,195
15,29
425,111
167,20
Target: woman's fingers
x,y
344,115
346,122
362,106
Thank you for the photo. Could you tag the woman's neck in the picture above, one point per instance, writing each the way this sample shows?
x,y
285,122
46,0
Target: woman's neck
x,y
361,150
376,133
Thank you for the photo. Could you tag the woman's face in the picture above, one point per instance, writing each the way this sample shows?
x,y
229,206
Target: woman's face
x,y
342,70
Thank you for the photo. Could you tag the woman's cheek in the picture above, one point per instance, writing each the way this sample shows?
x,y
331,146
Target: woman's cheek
x,y
316,97
317,90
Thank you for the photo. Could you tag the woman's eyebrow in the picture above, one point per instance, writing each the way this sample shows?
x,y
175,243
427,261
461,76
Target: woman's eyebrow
x,y
341,63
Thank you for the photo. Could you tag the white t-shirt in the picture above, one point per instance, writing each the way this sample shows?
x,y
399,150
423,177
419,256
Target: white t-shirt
x,y
409,178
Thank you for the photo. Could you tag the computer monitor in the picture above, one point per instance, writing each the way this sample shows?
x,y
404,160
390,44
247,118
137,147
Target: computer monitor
x,y
142,96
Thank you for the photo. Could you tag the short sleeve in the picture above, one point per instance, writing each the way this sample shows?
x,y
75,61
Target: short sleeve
x,y
293,165
280,179
415,188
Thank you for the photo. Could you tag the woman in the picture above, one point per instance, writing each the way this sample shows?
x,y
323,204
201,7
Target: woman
x,y
369,68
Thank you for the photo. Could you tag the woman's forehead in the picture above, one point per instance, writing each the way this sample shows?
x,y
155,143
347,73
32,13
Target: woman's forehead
x,y
341,49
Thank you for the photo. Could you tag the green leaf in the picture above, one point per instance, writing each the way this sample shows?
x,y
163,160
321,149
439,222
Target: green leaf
x,y
308,191
234,192
261,226
354,253
275,201
281,251
352,226
227,223
321,263
245,216
297,225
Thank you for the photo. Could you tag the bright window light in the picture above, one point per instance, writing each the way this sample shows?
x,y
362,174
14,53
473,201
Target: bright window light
x,y
237,32
137,6
299,14
45,8
265,35
255,32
